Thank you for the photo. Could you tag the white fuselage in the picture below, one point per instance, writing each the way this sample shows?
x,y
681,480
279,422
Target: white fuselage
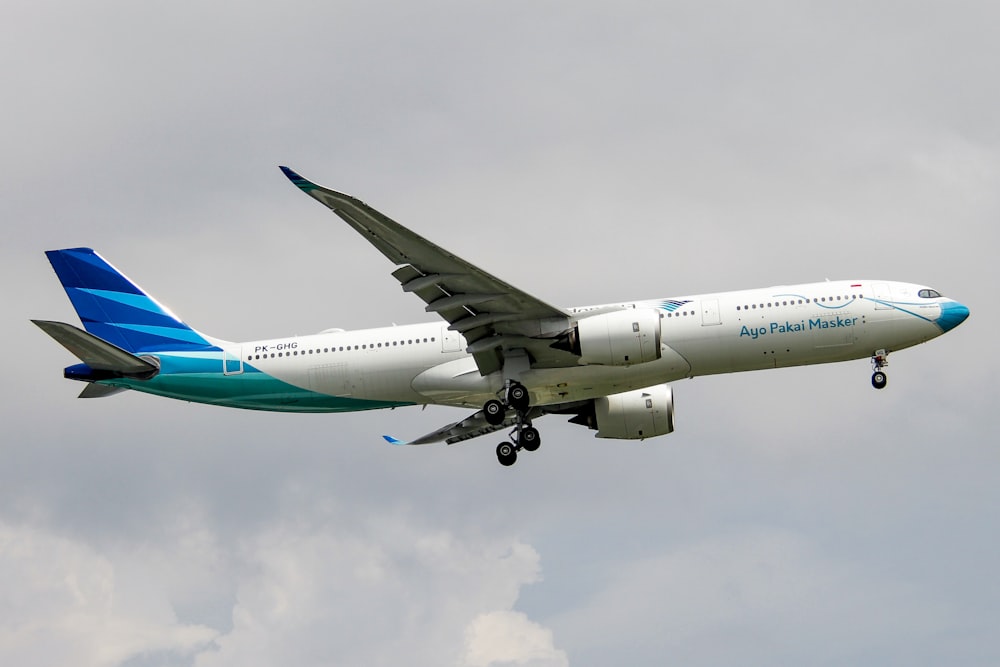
x,y
700,335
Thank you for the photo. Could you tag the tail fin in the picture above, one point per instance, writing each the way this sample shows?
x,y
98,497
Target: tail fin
x,y
116,310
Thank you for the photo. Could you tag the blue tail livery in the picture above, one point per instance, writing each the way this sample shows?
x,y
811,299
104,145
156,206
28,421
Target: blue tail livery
x,y
116,310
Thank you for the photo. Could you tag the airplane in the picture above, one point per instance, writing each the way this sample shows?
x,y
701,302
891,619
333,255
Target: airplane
x,y
508,356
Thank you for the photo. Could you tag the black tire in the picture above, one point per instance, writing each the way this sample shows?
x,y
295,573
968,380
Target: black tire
x,y
506,454
879,380
529,438
494,412
517,397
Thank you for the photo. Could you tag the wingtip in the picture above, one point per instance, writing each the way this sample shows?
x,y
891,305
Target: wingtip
x,y
301,183
393,441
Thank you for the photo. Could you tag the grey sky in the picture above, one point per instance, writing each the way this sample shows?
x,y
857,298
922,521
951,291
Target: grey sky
x,y
585,153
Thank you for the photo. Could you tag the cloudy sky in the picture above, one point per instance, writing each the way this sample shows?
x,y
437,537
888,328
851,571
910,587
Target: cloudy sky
x,y
586,153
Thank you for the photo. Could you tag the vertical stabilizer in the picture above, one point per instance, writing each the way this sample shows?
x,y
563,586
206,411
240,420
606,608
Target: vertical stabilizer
x,y
116,310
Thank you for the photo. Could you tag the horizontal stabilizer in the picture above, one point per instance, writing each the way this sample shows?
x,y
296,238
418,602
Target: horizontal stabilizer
x,y
97,353
95,390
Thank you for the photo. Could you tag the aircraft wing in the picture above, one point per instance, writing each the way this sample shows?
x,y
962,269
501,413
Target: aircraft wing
x,y
492,315
471,427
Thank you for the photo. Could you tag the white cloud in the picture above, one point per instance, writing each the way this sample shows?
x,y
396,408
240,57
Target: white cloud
x,y
64,603
317,590
509,638
372,590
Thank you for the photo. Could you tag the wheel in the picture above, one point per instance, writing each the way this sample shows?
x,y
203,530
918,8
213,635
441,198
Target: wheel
x,y
529,438
879,380
506,454
494,412
517,397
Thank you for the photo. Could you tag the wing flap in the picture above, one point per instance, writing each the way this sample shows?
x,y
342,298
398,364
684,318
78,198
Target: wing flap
x,y
471,427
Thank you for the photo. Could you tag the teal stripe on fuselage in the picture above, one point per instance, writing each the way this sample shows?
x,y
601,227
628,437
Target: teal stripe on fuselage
x,y
198,377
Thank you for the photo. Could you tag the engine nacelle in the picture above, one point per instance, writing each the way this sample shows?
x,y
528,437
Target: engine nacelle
x,y
635,415
619,338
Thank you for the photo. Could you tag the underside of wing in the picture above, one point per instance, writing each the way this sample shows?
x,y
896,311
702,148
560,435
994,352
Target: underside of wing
x,y
471,427
493,316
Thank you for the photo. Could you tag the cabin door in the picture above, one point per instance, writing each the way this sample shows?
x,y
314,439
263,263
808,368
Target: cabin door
x,y
883,296
232,363
710,313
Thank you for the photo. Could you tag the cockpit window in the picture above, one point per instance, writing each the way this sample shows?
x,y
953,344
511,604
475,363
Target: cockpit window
x,y
929,294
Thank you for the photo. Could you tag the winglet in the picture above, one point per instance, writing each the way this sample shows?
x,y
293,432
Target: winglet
x,y
301,183
393,441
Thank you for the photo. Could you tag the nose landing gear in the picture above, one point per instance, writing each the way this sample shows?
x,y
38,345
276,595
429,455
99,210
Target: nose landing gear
x,y
879,361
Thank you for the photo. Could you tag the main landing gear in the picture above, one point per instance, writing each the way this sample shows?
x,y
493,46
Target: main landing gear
x,y
879,361
525,436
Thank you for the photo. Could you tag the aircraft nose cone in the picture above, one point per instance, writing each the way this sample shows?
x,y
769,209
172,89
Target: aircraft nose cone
x,y
952,314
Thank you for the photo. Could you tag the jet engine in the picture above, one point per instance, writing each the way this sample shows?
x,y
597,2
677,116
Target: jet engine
x,y
631,415
619,338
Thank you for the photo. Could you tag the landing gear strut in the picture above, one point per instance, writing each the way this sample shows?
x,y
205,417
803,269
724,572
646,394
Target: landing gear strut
x,y
879,361
524,435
